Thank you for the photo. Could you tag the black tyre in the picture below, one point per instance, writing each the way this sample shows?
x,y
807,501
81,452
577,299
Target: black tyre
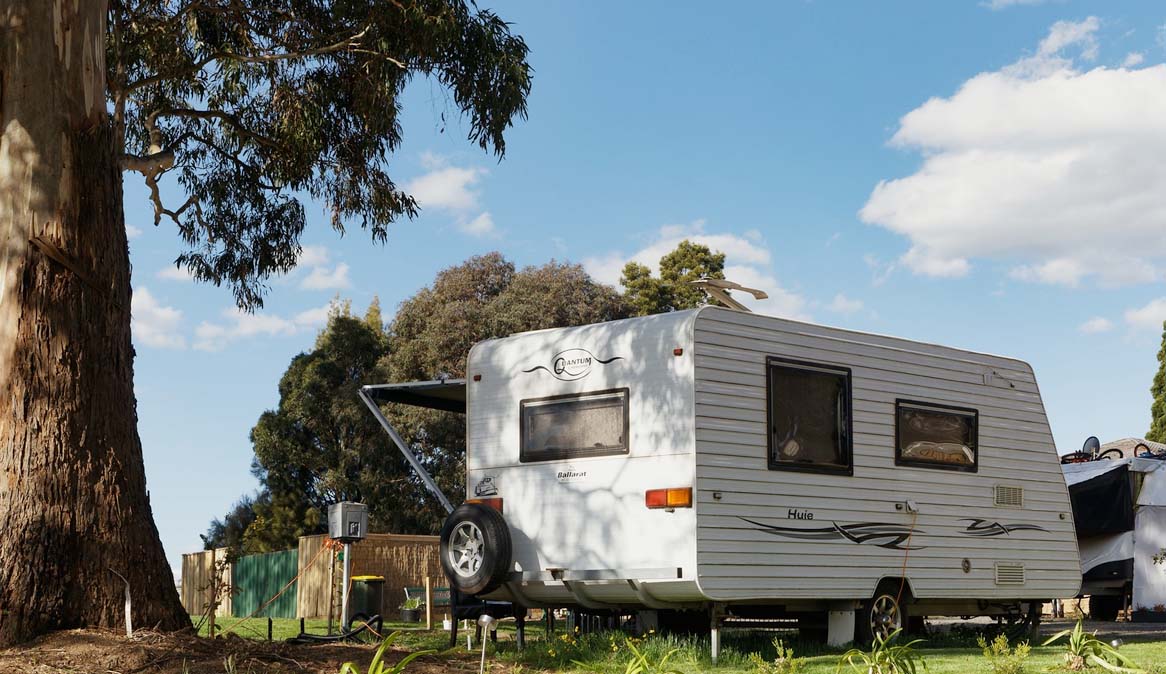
x,y
476,551
883,613
1105,606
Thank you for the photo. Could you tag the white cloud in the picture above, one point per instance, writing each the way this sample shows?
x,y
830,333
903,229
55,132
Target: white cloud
x,y
483,225
153,324
444,187
314,256
133,232
174,273
1133,59
320,278
1004,4
1053,168
842,304
747,261
1096,325
1149,316
241,325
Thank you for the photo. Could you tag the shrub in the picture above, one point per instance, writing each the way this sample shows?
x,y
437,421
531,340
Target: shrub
x,y
1085,649
784,663
1001,658
885,656
377,666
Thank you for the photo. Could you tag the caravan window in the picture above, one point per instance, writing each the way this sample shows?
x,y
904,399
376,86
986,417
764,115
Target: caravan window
x,y
935,436
809,417
576,425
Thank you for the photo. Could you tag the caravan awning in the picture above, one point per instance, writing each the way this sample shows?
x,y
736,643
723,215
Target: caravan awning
x,y
440,394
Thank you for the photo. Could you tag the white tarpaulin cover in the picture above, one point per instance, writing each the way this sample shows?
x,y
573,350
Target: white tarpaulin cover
x,y
1098,550
1149,540
1153,491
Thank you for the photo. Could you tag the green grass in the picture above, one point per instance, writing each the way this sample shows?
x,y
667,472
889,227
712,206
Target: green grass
x,y
606,652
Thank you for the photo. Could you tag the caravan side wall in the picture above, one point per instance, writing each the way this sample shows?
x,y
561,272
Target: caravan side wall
x,y
755,539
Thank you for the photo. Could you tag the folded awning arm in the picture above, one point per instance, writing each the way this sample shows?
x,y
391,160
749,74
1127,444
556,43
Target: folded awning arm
x,y
430,484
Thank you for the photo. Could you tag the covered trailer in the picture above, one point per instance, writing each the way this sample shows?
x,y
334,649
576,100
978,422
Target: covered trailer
x,y
715,462
1120,514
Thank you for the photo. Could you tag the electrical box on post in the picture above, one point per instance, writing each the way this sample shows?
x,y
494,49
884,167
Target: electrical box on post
x,y
347,521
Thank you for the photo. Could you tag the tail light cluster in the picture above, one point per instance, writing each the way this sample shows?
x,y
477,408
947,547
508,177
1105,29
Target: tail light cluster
x,y
677,497
495,503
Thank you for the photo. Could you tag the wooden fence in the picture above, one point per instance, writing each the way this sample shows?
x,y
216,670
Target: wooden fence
x,y
404,561
198,569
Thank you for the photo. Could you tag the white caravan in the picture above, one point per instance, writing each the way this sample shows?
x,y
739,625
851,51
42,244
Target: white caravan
x,y
739,464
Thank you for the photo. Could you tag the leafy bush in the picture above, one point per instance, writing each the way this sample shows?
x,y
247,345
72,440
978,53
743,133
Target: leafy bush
x,y
411,603
1085,649
1001,658
377,666
784,663
885,656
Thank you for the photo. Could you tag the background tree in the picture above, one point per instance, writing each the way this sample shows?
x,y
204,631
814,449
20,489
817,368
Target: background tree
x,y
248,104
1157,431
673,290
433,331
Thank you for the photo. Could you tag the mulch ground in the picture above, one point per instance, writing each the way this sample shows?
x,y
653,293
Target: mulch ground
x,y
107,652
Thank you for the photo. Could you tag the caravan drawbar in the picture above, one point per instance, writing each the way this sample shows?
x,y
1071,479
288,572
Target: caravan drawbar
x,y
728,463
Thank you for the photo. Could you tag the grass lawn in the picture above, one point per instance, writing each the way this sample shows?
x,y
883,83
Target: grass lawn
x,y
607,651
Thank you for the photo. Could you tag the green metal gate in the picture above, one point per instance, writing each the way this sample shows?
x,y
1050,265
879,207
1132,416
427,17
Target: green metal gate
x,y
257,578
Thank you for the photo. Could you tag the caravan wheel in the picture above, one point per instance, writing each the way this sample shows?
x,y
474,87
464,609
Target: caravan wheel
x,y
475,549
882,614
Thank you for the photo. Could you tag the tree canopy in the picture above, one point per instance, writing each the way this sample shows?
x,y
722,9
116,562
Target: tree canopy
x,y
321,445
673,289
1157,432
253,105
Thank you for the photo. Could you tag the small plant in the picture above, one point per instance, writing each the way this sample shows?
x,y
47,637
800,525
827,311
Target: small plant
x,y
886,656
641,663
784,663
1001,658
411,604
377,666
1085,649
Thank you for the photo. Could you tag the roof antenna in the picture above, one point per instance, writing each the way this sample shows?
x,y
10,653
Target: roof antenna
x,y
718,289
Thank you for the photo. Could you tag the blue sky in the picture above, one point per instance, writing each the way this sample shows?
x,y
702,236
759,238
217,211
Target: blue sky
x,y
985,175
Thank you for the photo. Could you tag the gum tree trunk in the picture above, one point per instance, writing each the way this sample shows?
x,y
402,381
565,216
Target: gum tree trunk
x,y
73,500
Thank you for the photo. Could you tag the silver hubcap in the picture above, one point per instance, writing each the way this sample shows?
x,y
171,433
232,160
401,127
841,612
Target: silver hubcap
x,y
885,616
465,549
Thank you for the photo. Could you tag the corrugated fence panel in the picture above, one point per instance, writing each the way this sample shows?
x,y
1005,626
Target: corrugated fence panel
x,y
198,569
404,561
258,578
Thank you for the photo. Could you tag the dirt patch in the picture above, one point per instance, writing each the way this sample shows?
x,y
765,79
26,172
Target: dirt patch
x,y
106,652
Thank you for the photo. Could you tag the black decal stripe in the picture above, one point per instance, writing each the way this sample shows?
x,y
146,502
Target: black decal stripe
x,y
984,529
609,360
893,536
536,368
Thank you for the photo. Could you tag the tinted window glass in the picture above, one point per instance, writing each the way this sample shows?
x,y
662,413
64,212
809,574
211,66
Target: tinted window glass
x,y
935,436
809,416
563,427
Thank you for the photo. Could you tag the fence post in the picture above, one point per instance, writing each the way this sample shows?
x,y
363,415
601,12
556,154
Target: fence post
x,y
269,628
428,603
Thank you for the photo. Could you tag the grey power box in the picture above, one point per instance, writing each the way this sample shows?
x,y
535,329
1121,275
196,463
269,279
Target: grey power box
x,y
347,521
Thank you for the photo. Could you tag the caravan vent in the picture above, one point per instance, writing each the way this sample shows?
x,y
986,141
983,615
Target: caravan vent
x,y
1009,573
1009,497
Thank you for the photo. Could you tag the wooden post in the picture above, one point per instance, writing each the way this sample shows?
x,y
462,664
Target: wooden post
x,y
428,603
269,628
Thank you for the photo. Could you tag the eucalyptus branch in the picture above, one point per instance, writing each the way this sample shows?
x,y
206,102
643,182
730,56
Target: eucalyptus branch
x,y
347,43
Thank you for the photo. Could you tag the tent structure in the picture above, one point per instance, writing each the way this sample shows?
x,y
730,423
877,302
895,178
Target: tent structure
x,y
1119,507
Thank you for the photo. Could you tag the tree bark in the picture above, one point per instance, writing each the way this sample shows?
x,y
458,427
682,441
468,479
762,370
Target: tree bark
x,y
73,500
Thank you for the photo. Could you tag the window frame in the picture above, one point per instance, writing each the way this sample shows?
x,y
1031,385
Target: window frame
x,y
848,443
576,453
938,407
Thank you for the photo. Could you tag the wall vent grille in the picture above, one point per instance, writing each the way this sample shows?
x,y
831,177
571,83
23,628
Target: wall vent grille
x,y
1009,497
1009,573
